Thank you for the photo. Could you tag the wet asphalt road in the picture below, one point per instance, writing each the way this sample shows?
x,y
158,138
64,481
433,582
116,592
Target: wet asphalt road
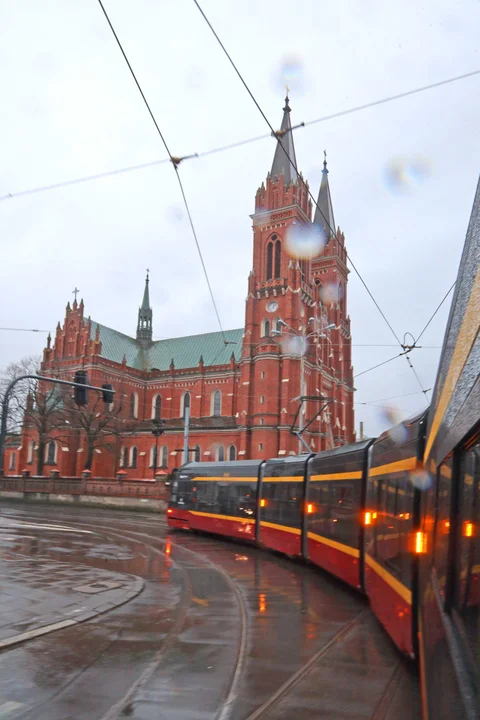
x,y
220,631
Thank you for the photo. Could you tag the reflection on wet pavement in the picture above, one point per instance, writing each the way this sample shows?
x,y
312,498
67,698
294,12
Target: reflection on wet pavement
x,y
216,623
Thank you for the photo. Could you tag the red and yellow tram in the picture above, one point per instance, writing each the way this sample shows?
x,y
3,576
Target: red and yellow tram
x,y
397,517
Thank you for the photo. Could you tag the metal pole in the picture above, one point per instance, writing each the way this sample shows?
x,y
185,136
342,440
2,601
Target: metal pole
x,y
300,417
155,462
6,399
185,434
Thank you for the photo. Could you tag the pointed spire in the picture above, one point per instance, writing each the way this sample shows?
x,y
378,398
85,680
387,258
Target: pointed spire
x,y
145,317
49,341
285,146
146,294
324,212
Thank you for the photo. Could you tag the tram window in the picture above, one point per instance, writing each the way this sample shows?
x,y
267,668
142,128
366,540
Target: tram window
x,y
442,525
184,493
343,525
283,503
206,496
467,591
318,497
342,497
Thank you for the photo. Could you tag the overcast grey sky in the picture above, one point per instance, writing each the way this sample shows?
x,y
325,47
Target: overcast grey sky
x,y
69,108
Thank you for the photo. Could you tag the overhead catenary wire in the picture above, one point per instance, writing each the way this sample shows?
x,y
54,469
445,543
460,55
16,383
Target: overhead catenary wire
x,y
35,330
378,365
436,311
392,397
233,145
293,164
175,162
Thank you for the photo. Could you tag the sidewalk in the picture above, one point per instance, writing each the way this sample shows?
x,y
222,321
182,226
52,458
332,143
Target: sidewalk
x,y
40,595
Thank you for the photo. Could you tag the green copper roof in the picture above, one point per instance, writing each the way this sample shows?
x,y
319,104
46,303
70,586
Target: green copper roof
x,y
185,351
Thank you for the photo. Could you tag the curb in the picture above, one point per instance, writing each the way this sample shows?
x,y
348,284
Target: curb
x,y
135,589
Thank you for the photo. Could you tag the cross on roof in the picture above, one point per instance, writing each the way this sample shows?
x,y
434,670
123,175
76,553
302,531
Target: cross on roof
x,y
75,292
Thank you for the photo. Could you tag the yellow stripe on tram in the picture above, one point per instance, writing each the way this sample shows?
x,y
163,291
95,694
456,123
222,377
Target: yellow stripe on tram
x,y
410,463
285,528
356,475
395,584
465,339
285,478
354,552
200,478
223,517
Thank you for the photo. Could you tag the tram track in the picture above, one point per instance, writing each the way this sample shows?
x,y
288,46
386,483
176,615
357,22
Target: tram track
x,y
302,672
228,706
227,703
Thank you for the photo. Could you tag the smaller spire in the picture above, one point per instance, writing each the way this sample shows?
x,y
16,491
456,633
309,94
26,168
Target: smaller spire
x,y
146,294
145,317
285,150
49,341
324,211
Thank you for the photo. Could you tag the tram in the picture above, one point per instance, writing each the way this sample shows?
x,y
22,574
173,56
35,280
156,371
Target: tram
x,y
397,517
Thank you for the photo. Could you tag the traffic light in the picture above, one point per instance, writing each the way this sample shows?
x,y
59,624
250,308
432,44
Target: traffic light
x,y
80,395
107,393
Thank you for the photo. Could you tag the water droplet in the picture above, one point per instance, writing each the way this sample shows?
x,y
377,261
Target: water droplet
x,y
421,479
405,175
305,241
331,293
175,214
294,345
291,74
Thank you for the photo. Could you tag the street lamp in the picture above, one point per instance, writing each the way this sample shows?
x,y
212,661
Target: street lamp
x,y
157,430
318,333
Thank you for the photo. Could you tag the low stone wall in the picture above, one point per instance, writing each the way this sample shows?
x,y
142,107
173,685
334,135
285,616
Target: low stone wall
x,y
148,495
119,503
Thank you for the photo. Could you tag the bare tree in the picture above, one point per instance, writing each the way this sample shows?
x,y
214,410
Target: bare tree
x,y
102,426
34,406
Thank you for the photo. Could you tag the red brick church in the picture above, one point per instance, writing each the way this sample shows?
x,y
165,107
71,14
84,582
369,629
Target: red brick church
x,y
242,387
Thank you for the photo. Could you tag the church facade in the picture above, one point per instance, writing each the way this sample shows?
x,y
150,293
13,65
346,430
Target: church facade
x,y
288,368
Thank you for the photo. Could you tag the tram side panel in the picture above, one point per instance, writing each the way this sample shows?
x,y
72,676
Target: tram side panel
x,y
281,502
334,508
392,543
218,498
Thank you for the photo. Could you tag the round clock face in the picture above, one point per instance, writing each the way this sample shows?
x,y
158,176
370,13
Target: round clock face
x,y
272,306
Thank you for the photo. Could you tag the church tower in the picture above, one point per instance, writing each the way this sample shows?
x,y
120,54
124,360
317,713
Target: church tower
x,y
290,298
279,295
145,318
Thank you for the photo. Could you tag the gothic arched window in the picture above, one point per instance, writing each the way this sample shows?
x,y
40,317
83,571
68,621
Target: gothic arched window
x,y
217,403
278,255
133,457
51,452
31,450
266,328
157,407
196,453
185,402
134,405
269,260
221,454
164,456
13,458
124,457
153,457
232,453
